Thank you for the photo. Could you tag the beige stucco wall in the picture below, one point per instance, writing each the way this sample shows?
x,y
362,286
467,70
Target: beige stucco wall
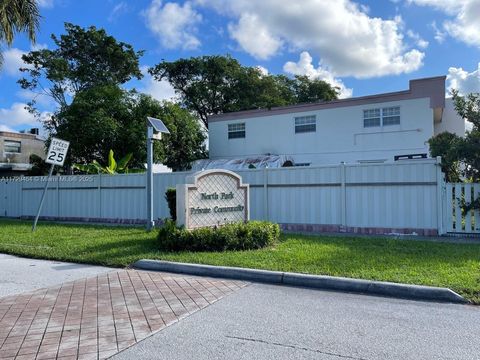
x,y
451,121
30,144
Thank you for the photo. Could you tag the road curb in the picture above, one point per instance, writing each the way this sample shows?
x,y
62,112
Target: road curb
x,y
394,290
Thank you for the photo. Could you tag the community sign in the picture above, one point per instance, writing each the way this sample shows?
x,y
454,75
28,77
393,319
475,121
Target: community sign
x,y
212,198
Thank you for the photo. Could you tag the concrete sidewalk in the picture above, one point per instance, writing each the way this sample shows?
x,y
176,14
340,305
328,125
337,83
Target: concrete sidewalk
x,y
22,274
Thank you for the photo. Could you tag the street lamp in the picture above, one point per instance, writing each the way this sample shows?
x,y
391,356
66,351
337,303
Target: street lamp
x,y
155,128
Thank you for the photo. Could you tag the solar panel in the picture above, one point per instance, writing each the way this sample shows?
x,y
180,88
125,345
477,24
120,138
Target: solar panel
x,y
158,125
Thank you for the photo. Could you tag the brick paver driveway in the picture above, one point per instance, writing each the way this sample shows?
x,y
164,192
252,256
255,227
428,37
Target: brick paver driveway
x,y
97,317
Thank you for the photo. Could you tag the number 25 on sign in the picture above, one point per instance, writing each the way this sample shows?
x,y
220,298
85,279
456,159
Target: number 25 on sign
x,y
56,155
57,152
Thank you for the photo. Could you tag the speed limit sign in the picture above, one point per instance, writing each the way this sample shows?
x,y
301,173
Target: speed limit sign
x,y
57,152
56,155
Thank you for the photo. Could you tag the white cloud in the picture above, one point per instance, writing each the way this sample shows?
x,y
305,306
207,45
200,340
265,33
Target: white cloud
x,y
41,99
464,25
174,25
118,10
6,128
340,32
45,3
17,115
254,37
304,66
263,70
160,90
439,35
12,61
463,81
12,58
419,41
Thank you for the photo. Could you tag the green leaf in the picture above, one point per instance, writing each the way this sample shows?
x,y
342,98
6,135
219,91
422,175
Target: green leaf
x,y
123,163
112,164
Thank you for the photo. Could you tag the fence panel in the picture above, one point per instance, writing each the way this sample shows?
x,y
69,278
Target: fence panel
x,y
389,197
123,197
32,189
78,196
459,220
399,195
257,180
305,195
161,182
10,198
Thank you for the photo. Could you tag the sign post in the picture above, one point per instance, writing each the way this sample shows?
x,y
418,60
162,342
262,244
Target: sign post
x,y
155,128
56,155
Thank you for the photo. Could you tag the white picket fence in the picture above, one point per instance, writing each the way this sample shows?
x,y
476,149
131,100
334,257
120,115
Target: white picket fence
x,y
458,220
401,197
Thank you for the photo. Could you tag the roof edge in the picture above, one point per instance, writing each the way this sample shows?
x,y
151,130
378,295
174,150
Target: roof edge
x,y
433,87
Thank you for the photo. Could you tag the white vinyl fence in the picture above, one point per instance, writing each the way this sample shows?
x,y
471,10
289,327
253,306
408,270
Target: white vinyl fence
x,y
401,197
457,219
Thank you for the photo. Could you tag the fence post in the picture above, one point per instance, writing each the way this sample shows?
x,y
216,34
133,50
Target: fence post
x,y
99,190
343,196
21,198
265,194
441,202
58,196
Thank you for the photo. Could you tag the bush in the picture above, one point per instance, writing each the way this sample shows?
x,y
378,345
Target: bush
x,y
237,236
171,197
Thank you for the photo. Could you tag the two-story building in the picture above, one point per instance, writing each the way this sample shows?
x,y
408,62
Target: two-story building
x,y
377,128
15,151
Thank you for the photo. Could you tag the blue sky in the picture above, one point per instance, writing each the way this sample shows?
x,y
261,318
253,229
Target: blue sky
x,y
365,47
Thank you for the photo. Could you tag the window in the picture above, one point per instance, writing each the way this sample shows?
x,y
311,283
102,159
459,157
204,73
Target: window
x,y
371,117
305,124
391,115
302,164
236,131
12,146
381,117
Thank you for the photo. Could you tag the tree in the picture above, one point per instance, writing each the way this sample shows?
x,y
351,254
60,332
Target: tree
x,y
83,59
18,16
92,123
108,117
210,85
186,141
39,166
457,150
308,90
447,145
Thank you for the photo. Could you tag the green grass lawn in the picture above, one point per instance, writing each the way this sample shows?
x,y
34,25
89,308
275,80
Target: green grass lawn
x,y
456,266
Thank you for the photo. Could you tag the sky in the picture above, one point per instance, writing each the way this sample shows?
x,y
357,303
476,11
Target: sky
x,y
364,46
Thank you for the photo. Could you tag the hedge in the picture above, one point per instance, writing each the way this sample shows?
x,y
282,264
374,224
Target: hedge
x,y
171,198
236,236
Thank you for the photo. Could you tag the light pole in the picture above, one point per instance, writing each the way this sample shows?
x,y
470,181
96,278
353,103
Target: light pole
x,y
155,128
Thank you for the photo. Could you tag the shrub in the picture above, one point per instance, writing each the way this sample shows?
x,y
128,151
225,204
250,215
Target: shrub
x,y
171,197
235,236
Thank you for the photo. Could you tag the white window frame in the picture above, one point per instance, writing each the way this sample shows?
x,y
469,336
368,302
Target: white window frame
x,y
395,114
303,124
381,114
236,131
372,115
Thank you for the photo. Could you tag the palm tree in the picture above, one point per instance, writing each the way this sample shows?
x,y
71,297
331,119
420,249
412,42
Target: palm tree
x,y
18,16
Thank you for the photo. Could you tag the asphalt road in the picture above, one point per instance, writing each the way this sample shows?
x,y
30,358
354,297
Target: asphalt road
x,y
20,274
276,322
